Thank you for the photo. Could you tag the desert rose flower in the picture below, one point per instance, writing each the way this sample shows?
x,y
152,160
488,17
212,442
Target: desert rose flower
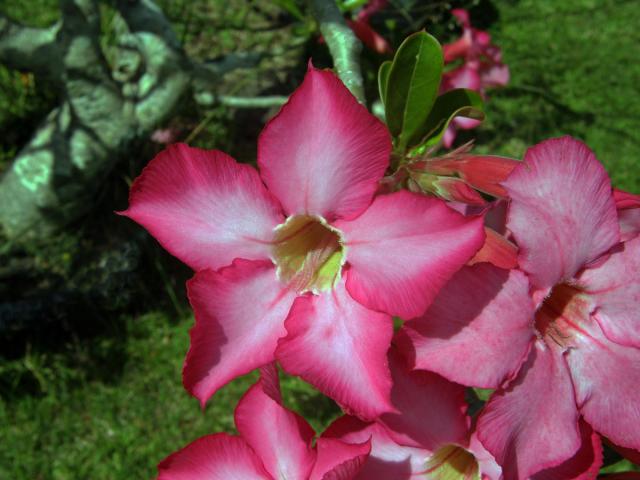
x,y
273,444
300,262
427,438
482,68
559,339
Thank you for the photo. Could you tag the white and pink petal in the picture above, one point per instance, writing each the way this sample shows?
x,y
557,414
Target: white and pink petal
x,y
404,248
324,153
532,423
478,330
204,207
562,213
240,312
340,347
282,439
214,457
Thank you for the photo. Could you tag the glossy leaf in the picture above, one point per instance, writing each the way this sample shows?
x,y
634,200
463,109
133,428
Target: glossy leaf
x,y
412,86
383,79
459,102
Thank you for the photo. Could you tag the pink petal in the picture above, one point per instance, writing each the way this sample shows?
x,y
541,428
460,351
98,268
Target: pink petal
x,y
462,77
388,459
628,206
214,457
489,468
496,250
338,460
584,465
449,136
204,207
369,37
281,438
494,75
562,213
629,223
404,248
606,378
614,286
324,153
532,424
485,172
240,312
478,330
340,347
443,422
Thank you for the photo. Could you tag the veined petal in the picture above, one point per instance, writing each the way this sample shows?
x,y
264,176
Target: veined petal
x,y
605,377
388,459
562,212
496,250
340,347
324,153
338,460
478,330
281,438
614,286
404,248
628,206
532,424
489,468
584,465
214,457
204,207
240,312
431,410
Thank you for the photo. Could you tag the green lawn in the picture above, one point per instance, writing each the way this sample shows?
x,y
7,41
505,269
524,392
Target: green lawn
x,y
112,406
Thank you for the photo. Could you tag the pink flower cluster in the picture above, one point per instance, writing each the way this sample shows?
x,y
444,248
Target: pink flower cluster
x,y
480,68
304,262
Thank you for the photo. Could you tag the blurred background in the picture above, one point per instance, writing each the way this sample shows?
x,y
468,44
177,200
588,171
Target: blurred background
x,y
93,314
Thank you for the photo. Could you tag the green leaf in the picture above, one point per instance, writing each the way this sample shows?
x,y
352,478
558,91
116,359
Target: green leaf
x,y
383,78
454,103
412,85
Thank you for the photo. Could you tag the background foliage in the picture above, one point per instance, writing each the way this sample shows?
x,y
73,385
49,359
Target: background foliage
x,y
95,390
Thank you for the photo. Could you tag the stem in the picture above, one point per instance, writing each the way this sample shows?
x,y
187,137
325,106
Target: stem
x,y
343,45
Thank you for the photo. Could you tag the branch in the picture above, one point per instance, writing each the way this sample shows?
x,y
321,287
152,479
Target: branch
x,y
343,45
28,49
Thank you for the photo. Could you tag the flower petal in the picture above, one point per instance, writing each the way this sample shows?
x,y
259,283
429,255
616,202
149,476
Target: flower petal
x,y
214,457
388,459
204,207
404,248
240,312
562,212
584,465
340,347
532,424
606,378
443,422
338,460
615,288
478,330
496,250
324,153
281,438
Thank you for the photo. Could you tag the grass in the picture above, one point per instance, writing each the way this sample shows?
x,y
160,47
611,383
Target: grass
x,y
119,424
111,406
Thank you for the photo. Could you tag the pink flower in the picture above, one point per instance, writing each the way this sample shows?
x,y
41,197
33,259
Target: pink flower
x,y
628,206
482,68
309,269
274,443
428,437
559,339
367,35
